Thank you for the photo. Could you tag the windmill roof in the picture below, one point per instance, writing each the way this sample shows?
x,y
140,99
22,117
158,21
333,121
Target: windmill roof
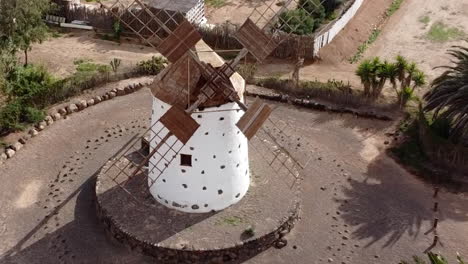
x,y
179,83
182,6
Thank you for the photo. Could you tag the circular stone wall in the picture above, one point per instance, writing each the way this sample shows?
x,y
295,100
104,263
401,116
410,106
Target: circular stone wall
x,y
132,216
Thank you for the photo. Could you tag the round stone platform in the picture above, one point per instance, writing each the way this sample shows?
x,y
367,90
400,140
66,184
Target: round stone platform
x,y
260,220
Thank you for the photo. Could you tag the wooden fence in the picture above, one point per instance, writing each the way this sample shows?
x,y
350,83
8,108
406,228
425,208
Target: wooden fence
x,y
218,37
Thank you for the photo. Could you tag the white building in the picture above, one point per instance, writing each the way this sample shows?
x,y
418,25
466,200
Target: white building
x,y
211,172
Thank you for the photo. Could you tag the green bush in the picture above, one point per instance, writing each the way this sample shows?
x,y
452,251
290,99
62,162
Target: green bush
x,y
153,66
33,115
433,259
297,21
87,66
10,117
27,84
314,8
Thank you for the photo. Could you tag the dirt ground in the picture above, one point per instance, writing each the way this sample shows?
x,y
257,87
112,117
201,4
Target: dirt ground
x,y
58,54
359,206
402,34
237,11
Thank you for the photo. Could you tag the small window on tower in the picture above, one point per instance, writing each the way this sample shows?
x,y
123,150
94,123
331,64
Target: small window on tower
x,y
186,160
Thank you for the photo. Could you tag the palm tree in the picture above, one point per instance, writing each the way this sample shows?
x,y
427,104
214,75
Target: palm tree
x,y
385,71
448,97
401,65
366,73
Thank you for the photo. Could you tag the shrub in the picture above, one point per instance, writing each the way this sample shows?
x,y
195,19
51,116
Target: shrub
x,y
117,28
434,259
297,21
29,83
90,67
247,71
115,64
33,115
331,5
10,117
314,8
153,66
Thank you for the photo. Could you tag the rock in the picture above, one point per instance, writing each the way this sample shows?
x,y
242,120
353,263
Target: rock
x,y
386,142
56,116
72,108
97,99
33,132
120,91
281,243
90,102
10,153
17,146
62,111
330,260
283,233
323,188
3,156
105,97
49,120
113,90
112,95
24,139
128,89
41,126
82,104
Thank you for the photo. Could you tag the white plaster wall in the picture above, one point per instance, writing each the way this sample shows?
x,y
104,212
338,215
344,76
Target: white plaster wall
x,y
323,38
219,175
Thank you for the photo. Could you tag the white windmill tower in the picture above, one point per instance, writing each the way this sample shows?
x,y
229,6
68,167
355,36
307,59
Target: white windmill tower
x,y
198,160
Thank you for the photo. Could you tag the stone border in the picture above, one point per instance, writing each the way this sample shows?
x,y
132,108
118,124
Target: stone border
x,y
238,251
62,113
306,103
234,252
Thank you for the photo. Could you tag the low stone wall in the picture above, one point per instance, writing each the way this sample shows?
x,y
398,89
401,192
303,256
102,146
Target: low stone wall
x,y
444,153
306,103
235,253
62,113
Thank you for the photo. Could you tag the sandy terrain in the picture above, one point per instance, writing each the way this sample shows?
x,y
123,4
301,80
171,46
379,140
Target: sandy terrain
x,y
58,54
359,206
403,34
237,11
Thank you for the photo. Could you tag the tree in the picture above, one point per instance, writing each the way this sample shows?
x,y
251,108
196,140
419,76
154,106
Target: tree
x,y
374,75
366,72
22,23
448,97
7,65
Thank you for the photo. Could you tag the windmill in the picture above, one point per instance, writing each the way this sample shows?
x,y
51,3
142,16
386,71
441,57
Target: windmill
x,y
201,126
